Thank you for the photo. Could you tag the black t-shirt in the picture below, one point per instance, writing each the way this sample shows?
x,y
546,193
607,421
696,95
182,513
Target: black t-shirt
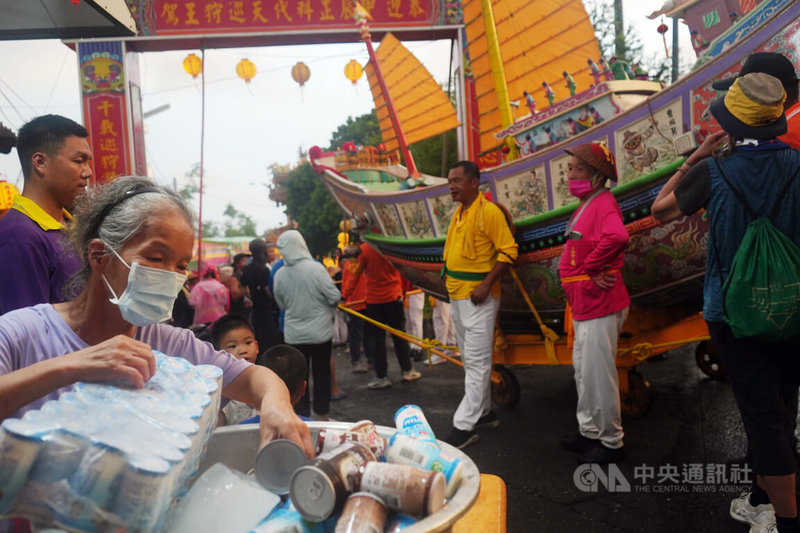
x,y
256,277
694,191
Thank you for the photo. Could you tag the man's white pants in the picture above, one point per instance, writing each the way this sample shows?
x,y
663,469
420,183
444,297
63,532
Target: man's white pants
x,y
443,326
475,333
414,315
596,378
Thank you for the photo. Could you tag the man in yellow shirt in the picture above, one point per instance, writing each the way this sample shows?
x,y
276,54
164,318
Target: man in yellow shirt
x,y
37,257
478,249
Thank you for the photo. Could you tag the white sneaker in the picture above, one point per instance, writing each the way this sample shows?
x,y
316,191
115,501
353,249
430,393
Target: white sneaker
x,y
380,383
743,511
411,375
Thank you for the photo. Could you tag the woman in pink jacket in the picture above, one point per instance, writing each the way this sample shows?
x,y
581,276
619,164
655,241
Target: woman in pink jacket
x,y
590,274
210,298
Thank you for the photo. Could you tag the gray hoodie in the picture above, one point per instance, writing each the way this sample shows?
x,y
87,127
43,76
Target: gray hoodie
x,y
305,290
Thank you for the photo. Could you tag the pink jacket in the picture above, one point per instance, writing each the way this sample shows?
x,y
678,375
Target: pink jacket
x,y
601,248
210,299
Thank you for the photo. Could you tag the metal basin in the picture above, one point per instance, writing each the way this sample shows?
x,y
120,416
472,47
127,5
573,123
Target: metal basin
x,y
236,447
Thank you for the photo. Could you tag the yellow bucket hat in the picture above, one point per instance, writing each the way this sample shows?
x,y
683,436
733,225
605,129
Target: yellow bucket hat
x,y
752,108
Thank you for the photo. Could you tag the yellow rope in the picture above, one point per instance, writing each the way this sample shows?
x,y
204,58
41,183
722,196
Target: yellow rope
x,y
425,344
550,336
644,350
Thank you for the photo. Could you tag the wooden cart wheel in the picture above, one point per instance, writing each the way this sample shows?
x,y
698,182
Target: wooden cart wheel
x,y
506,393
708,360
639,398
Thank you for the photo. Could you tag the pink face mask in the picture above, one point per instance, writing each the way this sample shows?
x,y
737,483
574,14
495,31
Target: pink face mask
x,y
580,188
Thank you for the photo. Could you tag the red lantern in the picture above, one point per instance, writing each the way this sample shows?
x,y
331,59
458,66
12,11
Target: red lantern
x,y
663,29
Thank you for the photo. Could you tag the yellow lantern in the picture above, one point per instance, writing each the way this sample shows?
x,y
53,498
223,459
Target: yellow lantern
x,y
193,65
7,193
300,73
353,71
246,70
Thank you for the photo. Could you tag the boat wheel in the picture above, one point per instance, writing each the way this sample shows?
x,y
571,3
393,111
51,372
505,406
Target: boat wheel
x,y
506,393
639,398
708,360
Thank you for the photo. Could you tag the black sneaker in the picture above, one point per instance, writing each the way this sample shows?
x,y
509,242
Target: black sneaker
x,y
458,438
489,420
578,443
602,455
418,356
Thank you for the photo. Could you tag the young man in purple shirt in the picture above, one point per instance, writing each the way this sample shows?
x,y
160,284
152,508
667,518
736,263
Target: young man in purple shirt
x,y
37,257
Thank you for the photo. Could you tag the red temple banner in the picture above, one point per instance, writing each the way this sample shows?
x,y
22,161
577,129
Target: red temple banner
x,y
105,116
241,16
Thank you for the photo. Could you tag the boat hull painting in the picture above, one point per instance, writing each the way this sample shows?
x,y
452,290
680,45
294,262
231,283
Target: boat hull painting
x,y
664,265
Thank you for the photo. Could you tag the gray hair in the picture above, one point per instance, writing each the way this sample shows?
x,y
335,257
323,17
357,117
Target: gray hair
x,y
116,213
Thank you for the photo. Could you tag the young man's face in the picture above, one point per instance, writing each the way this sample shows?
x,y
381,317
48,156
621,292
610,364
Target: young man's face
x,y
241,343
67,172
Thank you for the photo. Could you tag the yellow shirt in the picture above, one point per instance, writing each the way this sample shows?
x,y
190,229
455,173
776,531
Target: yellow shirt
x,y
474,239
32,210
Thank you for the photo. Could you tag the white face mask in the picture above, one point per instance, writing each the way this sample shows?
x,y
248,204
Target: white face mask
x,y
150,293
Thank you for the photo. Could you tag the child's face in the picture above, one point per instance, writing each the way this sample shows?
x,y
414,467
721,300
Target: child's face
x,y
241,343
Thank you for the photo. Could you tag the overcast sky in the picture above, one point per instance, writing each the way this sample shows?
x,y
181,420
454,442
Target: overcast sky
x,y
248,126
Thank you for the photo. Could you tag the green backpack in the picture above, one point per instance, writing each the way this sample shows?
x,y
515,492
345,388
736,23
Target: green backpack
x,y
761,297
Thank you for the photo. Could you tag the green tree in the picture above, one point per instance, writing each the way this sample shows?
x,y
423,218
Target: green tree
x,y
310,204
602,17
238,224
363,130
428,153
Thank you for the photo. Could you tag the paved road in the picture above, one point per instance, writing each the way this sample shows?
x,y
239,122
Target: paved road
x,y
691,431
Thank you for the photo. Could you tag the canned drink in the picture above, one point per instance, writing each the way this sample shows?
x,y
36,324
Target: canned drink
x,y
402,449
98,474
405,488
275,464
143,490
320,488
20,444
400,522
410,420
60,456
363,512
328,439
94,487
282,521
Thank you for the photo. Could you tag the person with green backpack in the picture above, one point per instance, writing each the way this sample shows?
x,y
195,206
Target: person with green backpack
x,y
751,297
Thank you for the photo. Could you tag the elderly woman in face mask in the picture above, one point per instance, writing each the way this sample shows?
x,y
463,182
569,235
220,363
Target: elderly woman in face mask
x,y
598,300
135,239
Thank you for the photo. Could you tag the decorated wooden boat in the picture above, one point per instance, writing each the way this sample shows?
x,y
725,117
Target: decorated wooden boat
x,y
650,138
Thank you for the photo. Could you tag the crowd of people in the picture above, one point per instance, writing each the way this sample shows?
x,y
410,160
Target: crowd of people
x,y
86,296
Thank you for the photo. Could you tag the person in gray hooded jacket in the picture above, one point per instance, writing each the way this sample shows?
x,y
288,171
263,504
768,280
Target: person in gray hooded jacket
x,y
307,294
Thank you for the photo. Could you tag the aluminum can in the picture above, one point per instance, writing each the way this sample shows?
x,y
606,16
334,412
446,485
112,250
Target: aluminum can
x,y
363,512
94,488
404,488
410,420
402,449
328,439
275,464
60,456
320,488
20,444
143,493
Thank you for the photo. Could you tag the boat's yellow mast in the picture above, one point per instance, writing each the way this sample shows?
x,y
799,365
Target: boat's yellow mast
x,y
499,75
